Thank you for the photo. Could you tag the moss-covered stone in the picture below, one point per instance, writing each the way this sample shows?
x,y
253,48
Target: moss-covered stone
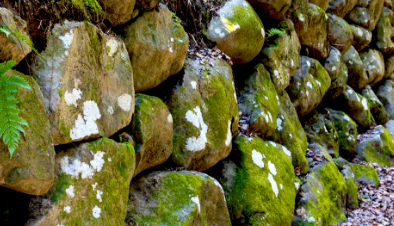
x,y
31,169
352,187
152,131
385,93
383,34
88,7
389,67
90,94
298,13
377,109
157,45
238,31
91,186
281,55
308,85
358,77
259,182
205,112
324,196
377,146
341,8
373,64
177,198
321,3
338,72
347,132
366,174
366,13
340,33
117,12
290,133
258,101
362,37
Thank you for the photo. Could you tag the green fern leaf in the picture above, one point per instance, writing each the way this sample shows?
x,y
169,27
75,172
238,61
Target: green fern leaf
x,y
5,31
274,31
5,66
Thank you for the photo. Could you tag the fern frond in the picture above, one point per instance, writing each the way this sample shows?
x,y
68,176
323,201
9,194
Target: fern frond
x,y
274,31
13,81
5,66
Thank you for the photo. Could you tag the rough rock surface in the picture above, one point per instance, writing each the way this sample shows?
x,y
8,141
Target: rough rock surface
x,y
262,166
86,81
340,34
350,178
358,78
290,133
338,72
147,4
205,112
281,55
31,168
238,31
321,3
361,37
298,13
271,9
258,101
389,67
366,174
383,34
373,64
377,145
366,13
91,186
377,109
308,85
11,47
341,7
155,38
152,131
117,12
385,93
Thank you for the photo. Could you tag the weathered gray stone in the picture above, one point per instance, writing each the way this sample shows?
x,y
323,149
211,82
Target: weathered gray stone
x,y
377,109
338,72
384,34
358,78
117,12
340,33
321,3
269,9
362,37
147,4
298,13
373,64
389,67
350,178
366,174
366,13
385,93
341,7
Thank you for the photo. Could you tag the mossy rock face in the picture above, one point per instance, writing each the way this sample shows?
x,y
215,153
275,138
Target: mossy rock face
x,y
31,169
338,72
117,12
366,174
315,39
385,93
350,178
377,109
341,8
12,48
147,4
383,34
320,130
157,46
282,54
275,9
355,105
340,33
290,133
362,37
373,64
347,132
90,94
298,13
390,126
308,85
358,77
366,13
177,198
205,112
152,131
389,67
323,4
238,31
91,186
324,196
377,146
258,100
259,182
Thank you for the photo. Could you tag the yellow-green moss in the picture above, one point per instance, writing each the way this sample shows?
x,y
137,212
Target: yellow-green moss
x,y
366,174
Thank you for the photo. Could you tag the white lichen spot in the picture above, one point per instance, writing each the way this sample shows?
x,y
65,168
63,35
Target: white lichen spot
x,y
96,212
197,202
67,209
86,125
279,124
124,102
110,110
308,63
291,136
301,17
193,84
197,143
360,32
70,191
169,118
76,167
109,160
276,72
365,104
67,40
172,39
94,186
286,151
112,46
73,97
350,62
257,158
171,49
219,32
263,32
98,195
297,185
272,168
273,184
281,186
318,83
292,62
346,118
333,68
229,134
310,219
309,85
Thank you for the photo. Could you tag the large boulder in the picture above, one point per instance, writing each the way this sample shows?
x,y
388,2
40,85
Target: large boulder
x,y
321,3
271,9
338,72
323,197
205,112
290,133
152,131
177,198
373,64
366,13
385,93
298,13
315,40
358,77
258,101
157,46
117,12
350,178
366,174
86,81
347,132
11,47
383,34
91,186
238,31
377,146
281,55
341,7
308,85
259,182
377,109
340,34
361,37
31,169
